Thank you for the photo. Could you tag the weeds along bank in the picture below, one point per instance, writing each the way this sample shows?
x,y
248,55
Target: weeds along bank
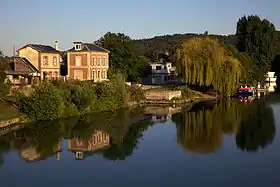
x,y
52,100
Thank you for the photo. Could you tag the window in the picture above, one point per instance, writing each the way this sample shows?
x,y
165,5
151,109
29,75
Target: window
x,y
93,75
45,60
79,155
104,75
98,61
104,137
54,61
78,60
158,67
103,61
93,62
78,47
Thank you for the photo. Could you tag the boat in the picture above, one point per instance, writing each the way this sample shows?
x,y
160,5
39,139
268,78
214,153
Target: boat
x,y
246,90
246,98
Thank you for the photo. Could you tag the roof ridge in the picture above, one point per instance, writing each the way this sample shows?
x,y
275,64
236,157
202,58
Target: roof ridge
x,y
85,44
100,47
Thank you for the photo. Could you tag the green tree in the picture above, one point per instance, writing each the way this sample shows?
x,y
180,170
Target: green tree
x,y
257,37
123,55
203,61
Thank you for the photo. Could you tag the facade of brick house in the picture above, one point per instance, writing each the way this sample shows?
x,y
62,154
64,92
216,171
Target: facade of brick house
x,y
87,61
45,58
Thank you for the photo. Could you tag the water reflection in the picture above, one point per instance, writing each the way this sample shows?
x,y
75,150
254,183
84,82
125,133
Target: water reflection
x,y
116,135
201,130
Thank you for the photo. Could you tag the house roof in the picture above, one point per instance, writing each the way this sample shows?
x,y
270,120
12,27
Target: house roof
x,y
91,47
11,70
41,48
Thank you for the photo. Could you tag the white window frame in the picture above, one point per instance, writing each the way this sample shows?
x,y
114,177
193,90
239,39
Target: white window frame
x,y
103,63
93,75
55,61
45,61
93,61
78,47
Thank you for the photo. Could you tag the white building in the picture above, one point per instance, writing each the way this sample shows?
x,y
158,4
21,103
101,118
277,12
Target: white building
x,y
270,81
162,72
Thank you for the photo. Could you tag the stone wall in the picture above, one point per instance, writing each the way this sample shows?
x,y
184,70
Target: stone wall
x,y
6,123
162,95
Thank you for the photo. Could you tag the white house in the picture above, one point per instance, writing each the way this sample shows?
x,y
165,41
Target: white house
x,y
162,72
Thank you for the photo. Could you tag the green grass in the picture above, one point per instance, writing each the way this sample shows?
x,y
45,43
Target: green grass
x,y
7,111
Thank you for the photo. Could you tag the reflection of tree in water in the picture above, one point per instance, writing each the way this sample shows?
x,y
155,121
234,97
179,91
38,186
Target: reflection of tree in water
x,y
4,147
44,137
257,128
201,129
198,131
41,140
129,143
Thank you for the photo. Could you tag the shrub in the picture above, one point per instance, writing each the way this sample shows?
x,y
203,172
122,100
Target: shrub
x,y
43,103
84,97
136,93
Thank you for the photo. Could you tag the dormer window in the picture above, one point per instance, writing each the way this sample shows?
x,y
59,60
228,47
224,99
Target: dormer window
x,y
78,47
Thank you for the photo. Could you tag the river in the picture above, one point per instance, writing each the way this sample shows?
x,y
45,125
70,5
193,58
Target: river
x,y
227,144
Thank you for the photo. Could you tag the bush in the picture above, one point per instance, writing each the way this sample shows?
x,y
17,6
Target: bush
x,y
51,100
136,93
84,97
44,103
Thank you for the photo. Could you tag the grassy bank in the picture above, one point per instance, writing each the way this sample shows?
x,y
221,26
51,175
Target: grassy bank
x,y
7,111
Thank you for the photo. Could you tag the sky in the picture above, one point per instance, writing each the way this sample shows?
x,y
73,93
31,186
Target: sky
x,y
44,21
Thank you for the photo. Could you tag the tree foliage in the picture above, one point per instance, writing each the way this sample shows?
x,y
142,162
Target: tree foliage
x,y
257,38
123,56
203,61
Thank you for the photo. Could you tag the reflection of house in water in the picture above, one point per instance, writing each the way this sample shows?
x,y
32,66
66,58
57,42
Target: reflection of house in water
x,y
29,153
161,113
81,148
161,118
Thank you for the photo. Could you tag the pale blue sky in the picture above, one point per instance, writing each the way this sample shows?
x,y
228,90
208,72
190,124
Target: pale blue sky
x,y
44,21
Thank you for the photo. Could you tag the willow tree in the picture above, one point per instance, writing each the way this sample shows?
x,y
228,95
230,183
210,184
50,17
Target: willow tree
x,y
203,61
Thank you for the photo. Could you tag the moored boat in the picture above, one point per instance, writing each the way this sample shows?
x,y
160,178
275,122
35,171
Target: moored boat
x,y
246,90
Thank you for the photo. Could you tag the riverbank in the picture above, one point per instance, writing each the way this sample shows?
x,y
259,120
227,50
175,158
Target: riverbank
x,y
17,118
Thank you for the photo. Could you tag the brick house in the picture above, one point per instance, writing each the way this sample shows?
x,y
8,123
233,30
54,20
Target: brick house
x,y
87,61
45,58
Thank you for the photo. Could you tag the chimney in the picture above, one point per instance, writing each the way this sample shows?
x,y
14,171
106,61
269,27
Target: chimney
x,y
56,45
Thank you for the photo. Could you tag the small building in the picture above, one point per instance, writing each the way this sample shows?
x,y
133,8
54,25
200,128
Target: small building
x,y
22,71
87,61
161,72
44,58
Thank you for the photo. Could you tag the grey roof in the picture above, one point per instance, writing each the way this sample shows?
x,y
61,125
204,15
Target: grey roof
x,y
11,70
42,48
91,47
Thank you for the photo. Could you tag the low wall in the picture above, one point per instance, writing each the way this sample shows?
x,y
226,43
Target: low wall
x,y
162,95
6,123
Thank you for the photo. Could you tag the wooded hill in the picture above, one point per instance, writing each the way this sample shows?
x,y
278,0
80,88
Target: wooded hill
x,y
149,46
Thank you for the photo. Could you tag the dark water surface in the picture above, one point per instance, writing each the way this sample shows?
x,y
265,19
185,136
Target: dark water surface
x,y
225,144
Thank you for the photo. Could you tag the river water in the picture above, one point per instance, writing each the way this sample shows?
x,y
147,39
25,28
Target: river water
x,y
225,144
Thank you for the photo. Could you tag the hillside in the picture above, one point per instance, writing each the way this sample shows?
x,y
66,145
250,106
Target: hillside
x,y
171,42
